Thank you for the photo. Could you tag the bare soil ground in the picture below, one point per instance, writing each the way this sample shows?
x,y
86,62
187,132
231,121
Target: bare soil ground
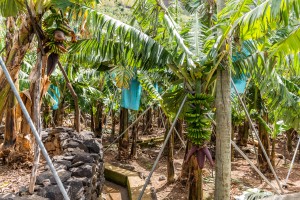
x,y
243,177
12,178
113,191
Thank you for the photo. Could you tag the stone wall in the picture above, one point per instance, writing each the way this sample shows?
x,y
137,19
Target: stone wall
x,y
78,159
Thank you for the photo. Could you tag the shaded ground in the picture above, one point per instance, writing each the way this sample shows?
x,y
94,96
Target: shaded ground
x,y
113,191
12,178
243,176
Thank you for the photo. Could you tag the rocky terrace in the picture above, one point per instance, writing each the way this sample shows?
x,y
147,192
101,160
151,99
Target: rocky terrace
x,y
78,159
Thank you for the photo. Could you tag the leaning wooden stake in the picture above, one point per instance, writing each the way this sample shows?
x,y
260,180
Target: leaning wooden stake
x,y
75,98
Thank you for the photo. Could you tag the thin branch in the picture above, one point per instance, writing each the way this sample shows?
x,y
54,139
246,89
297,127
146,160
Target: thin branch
x,y
75,98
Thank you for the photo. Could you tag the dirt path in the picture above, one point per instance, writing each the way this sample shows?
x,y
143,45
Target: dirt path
x,y
243,176
113,191
11,180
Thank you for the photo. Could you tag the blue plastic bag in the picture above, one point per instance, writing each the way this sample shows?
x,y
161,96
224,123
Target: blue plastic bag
x,y
241,82
131,97
240,85
54,93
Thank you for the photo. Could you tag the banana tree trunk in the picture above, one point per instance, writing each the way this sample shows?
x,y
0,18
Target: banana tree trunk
x,y
113,123
243,133
10,133
98,119
24,141
32,99
124,140
92,120
264,137
59,113
36,97
134,133
170,152
47,116
1,118
159,118
185,166
179,128
289,140
273,152
149,116
18,45
195,180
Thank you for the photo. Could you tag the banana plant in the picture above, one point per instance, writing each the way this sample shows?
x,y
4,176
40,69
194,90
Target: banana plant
x,y
163,43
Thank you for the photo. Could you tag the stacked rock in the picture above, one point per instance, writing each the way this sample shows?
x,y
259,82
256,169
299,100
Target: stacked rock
x,y
79,165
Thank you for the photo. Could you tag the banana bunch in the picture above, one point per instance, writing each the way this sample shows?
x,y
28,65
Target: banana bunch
x,y
56,29
198,125
57,48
